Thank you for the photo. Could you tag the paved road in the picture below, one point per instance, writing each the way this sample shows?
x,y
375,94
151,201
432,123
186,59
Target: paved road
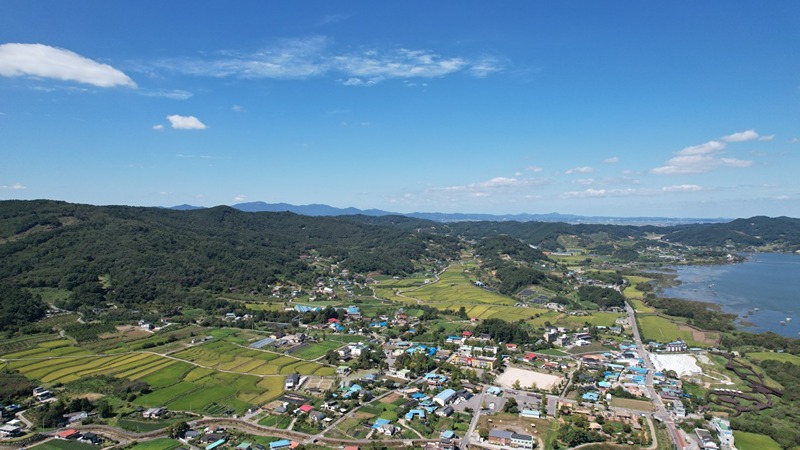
x,y
474,422
661,411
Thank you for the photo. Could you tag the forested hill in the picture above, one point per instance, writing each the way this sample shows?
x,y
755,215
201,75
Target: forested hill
x,y
133,255
781,232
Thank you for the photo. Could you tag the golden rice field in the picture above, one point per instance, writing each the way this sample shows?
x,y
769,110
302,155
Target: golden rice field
x,y
254,377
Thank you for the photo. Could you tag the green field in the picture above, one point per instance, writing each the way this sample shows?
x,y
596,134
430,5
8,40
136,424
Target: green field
x,y
227,356
660,329
157,444
313,351
782,357
753,441
57,444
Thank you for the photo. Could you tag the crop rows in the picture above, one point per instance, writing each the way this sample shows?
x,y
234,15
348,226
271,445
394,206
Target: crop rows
x,y
228,357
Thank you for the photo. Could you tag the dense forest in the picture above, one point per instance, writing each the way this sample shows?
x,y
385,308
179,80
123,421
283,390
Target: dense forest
x,y
131,256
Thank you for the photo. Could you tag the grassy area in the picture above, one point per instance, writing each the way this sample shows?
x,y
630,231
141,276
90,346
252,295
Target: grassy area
x,y
753,441
455,288
640,307
157,444
661,329
782,357
629,403
57,444
314,351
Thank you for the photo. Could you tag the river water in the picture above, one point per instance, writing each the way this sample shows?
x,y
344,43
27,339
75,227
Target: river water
x,y
767,281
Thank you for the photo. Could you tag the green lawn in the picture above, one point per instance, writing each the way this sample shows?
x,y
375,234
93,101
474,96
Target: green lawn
x,y
753,441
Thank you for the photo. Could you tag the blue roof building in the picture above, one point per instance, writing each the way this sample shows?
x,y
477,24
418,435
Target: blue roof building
x,y
591,396
415,412
216,444
280,444
380,422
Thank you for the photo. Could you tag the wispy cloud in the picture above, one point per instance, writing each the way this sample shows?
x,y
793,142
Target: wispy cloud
x,y
682,188
237,108
186,122
595,193
485,67
705,157
43,61
612,160
158,127
240,198
582,169
535,169
14,187
314,56
175,94
768,137
627,192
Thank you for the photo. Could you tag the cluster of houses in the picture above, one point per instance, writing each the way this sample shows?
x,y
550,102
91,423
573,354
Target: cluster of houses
x,y
78,436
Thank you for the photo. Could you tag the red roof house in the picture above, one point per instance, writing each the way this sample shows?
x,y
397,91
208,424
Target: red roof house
x,y
466,333
306,408
68,434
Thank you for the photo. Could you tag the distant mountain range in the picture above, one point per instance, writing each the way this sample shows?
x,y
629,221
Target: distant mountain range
x,y
327,210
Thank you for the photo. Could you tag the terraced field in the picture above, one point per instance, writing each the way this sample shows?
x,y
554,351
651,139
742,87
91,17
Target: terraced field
x,y
176,384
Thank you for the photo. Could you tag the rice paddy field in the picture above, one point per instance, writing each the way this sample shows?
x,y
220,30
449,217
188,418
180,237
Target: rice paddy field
x,y
226,356
216,377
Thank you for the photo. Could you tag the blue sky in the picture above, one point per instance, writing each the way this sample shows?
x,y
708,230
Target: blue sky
x,y
681,109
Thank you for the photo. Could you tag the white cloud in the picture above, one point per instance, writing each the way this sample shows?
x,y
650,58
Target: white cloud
x,y
612,160
313,56
158,127
703,149
794,140
682,188
14,187
37,60
237,108
534,169
185,122
240,198
703,158
582,169
748,135
586,181
768,137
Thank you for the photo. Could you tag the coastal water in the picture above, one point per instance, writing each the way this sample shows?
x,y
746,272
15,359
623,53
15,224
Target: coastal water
x,y
769,282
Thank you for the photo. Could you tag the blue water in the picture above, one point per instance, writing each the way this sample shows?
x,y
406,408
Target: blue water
x,y
767,281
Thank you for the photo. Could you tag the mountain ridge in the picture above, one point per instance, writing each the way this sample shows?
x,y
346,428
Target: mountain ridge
x,y
317,209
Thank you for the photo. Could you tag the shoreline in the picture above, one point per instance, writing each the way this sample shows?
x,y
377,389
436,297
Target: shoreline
x,y
667,278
